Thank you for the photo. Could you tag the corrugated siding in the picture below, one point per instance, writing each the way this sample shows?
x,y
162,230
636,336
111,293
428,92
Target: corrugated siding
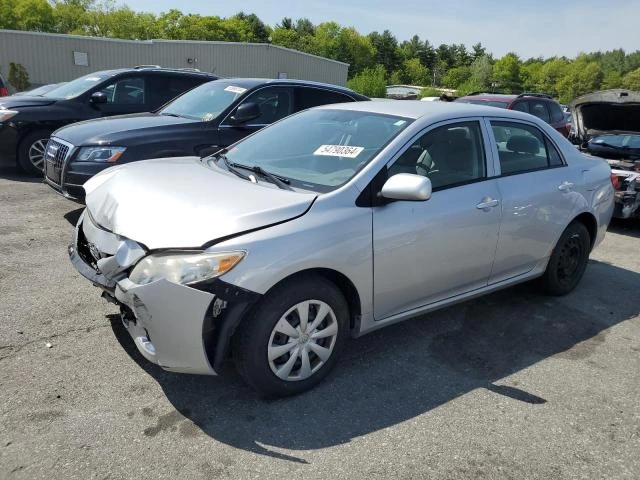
x,y
49,58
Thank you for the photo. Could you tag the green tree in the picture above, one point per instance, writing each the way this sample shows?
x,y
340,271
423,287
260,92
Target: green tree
x,y
506,73
387,51
370,82
632,80
481,74
456,76
414,73
34,15
8,18
581,77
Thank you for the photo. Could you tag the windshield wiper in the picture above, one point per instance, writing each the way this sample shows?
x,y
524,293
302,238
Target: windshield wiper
x,y
169,114
220,154
281,182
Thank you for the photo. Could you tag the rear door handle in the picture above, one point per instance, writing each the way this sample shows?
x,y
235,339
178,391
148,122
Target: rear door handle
x,y
487,203
565,186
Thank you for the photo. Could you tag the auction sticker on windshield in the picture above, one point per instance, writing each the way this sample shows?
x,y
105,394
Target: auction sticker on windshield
x,y
339,151
233,89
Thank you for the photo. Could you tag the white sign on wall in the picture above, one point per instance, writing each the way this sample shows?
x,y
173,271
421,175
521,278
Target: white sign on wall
x,y
81,59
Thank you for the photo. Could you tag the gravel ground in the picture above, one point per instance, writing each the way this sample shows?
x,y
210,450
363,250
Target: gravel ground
x,y
513,385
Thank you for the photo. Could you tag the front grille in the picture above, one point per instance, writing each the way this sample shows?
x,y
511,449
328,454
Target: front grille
x,y
54,158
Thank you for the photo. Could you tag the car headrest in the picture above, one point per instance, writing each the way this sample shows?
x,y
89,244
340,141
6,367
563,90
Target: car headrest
x,y
523,144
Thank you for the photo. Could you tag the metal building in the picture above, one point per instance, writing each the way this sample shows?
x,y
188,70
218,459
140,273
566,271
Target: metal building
x,y
52,58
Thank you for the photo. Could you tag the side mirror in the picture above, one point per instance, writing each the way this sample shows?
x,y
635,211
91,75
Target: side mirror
x,y
407,186
245,112
98,97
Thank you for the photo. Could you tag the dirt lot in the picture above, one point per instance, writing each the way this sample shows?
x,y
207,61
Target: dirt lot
x,y
514,385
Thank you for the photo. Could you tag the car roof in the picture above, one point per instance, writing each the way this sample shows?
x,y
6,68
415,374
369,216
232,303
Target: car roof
x,y
490,97
183,71
436,111
248,83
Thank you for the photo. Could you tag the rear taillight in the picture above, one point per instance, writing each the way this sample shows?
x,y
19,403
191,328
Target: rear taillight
x,y
3,92
615,181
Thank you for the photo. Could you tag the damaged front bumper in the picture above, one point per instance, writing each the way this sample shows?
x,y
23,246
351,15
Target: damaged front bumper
x,y
180,328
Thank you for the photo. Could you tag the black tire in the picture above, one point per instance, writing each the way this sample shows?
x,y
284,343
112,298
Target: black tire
x,y
29,141
568,261
252,339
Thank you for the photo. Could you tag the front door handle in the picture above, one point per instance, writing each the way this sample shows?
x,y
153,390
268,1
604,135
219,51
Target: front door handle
x,y
565,186
487,203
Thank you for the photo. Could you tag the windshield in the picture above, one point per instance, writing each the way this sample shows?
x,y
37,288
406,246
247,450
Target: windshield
x,y
78,86
318,150
617,141
205,102
487,103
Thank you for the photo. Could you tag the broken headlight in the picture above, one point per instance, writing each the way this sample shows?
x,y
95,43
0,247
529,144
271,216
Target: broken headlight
x,y
184,268
100,154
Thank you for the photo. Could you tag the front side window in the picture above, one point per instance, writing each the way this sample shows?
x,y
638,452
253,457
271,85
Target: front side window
x,y
204,103
523,148
539,109
275,103
126,91
449,155
318,150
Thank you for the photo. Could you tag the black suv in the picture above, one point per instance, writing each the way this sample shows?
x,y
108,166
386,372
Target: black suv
x,y
200,122
541,105
26,122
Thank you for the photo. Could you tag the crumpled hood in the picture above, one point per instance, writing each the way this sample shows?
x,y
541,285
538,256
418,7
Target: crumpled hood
x,y
606,111
24,101
182,203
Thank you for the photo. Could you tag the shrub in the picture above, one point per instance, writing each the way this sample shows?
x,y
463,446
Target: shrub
x,y
18,76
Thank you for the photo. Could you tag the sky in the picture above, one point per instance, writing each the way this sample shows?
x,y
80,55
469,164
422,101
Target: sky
x,y
529,28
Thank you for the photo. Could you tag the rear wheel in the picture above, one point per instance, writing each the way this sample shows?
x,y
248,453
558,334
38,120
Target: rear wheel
x,y
568,260
294,337
31,152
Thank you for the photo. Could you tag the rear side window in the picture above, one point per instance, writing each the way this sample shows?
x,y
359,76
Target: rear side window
x,y
523,148
539,109
163,88
312,97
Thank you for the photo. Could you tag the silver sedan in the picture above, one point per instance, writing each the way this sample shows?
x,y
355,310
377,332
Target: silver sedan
x,y
332,223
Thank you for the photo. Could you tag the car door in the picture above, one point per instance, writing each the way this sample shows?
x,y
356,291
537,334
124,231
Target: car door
x,y
536,189
428,251
125,95
275,103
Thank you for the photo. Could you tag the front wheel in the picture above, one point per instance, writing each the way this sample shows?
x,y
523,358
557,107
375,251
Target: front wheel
x,y
31,152
294,337
568,261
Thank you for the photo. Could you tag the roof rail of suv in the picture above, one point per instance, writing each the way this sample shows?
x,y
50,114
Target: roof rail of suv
x,y
477,93
539,95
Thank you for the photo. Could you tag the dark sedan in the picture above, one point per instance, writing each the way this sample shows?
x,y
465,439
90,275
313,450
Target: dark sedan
x,y
200,122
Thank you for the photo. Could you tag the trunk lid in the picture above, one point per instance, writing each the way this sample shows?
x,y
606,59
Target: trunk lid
x,y
607,111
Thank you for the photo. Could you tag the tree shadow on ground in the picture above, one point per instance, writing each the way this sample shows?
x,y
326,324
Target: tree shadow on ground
x,y
403,371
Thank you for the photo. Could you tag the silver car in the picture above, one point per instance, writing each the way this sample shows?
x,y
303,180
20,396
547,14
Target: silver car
x,y
332,223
